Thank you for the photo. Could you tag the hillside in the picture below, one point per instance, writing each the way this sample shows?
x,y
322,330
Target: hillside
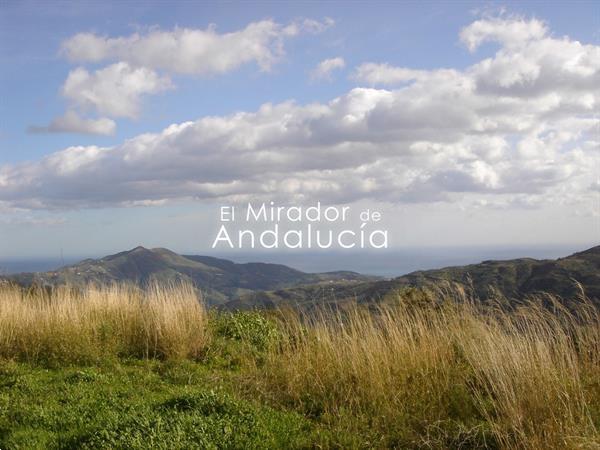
x,y
219,280
512,278
520,277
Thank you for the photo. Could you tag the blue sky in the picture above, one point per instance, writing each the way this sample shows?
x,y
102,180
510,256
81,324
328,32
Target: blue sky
x,y
46,214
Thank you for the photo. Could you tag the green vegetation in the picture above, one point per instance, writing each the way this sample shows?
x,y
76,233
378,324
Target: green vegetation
x,y
136,405
118,367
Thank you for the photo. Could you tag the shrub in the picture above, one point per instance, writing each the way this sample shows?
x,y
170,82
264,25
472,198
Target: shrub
x,y
252,328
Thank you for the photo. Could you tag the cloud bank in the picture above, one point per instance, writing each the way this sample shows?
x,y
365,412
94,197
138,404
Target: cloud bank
x,y
193,51
518,129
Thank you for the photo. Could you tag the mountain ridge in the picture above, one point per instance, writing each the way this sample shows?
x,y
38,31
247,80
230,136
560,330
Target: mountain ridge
x,y
258,284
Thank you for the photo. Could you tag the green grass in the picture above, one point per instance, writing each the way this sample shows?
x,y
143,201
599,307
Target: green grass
x,y
143,403
136,405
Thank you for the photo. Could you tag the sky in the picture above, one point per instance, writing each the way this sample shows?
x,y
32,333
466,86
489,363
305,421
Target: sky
x,y
131,123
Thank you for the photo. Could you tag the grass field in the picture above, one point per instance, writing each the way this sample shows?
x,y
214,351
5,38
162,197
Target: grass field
x,y
119,367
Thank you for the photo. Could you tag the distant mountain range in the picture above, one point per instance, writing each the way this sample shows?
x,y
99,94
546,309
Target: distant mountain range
x,y
219,280
232,285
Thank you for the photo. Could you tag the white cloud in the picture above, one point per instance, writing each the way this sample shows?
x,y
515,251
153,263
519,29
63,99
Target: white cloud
x,y
193,51
510,32
71,122
542,66
529,63
459,136
315,27
325,68
384,74
114,90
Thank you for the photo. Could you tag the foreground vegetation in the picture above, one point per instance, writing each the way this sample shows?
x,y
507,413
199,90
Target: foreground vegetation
x,y
118,367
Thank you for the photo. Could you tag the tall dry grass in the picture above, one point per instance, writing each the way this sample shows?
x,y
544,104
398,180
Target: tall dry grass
x,y
69,325
445,372
431,370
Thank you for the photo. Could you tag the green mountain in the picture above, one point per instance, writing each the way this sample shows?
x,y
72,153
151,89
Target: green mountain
x,y
520,277
219,280
513,278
